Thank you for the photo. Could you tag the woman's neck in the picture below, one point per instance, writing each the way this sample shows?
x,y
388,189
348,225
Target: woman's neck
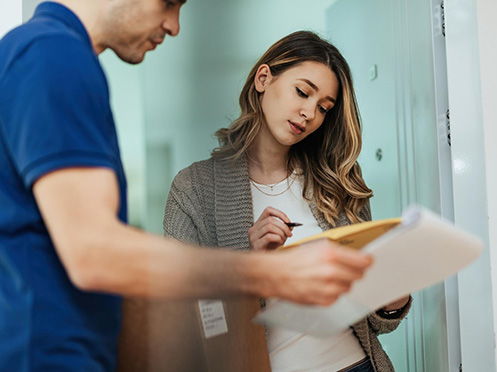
x,y
267,164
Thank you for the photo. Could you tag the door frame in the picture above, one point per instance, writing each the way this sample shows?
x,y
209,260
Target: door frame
x,y
471,209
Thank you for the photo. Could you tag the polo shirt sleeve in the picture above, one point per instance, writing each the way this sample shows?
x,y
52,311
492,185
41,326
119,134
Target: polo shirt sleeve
x,y
59,114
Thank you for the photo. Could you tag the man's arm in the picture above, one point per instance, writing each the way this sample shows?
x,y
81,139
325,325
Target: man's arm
x,y
79,207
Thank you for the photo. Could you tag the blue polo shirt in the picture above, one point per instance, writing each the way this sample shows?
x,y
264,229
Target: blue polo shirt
x,y
54,114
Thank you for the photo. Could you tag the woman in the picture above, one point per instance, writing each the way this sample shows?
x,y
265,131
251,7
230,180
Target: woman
x,y
291,156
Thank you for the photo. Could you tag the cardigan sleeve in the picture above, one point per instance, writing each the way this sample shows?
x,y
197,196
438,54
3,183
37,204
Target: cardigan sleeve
x,y
181,205
380,325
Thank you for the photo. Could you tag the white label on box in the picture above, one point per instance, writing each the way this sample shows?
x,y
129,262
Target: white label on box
x,y
213,318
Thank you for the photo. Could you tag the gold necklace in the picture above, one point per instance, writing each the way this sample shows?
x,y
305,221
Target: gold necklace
x,y
265,193
264,184
267,184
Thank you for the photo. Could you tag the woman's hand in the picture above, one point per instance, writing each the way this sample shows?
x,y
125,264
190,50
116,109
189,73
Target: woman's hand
x,y
269,231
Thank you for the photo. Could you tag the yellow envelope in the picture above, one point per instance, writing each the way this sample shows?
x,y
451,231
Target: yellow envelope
x,y
353,236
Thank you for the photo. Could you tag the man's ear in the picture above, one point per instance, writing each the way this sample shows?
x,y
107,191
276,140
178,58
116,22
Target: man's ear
x,y
263,77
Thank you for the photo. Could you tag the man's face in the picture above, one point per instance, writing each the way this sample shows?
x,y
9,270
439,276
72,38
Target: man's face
x,y
136,26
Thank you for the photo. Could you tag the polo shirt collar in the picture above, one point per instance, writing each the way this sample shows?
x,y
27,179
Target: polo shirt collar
x,y
65,15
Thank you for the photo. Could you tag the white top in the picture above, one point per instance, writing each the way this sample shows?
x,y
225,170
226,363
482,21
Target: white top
x,y
288,350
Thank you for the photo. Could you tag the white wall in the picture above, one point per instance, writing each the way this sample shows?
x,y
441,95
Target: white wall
x,y
487,32
469,58
10,15
15,12
28,8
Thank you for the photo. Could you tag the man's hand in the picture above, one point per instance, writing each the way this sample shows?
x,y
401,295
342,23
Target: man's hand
x,y
315,273
79,206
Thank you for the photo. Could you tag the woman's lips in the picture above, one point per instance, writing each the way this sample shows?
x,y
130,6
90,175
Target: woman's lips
x,y
296,128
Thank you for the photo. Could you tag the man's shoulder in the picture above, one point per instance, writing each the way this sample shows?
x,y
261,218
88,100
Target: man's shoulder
x,y
39,29
42,41
41,57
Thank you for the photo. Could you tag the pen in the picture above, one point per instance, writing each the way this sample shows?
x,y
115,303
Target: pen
x,y
293,224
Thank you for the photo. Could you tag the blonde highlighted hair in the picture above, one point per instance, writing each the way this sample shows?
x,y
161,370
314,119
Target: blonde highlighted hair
x,y
328,157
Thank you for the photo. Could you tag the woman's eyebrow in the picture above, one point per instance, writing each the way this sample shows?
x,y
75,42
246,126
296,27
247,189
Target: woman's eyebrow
x,y
312,85
315,87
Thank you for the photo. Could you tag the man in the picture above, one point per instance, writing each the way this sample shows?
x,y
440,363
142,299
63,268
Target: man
x,y
66,253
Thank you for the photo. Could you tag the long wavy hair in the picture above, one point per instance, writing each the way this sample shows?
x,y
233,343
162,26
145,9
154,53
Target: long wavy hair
x,y
327,158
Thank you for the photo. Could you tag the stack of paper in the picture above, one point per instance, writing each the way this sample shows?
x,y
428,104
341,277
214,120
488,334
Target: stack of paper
x,y
417,251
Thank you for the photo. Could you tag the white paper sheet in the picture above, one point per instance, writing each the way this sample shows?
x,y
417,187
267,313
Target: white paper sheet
x,y
425,249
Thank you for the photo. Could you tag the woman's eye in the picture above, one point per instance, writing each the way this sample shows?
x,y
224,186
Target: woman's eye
x,y
301,93
323,110
170,4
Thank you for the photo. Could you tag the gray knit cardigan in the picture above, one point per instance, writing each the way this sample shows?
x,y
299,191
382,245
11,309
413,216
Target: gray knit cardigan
x,y
210,204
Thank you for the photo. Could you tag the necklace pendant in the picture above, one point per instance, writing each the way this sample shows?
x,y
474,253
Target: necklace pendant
x,y
271,187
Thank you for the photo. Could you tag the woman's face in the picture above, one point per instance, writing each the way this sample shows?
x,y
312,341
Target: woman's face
x,y
296,101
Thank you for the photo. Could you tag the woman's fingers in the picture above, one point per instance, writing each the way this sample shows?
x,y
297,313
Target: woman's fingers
x,y
269,231
270,211
275,226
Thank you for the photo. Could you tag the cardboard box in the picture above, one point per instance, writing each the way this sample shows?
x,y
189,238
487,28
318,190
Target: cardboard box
x,y
171,336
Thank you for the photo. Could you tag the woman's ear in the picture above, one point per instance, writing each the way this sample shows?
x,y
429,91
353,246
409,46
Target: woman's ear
x,y
262,78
